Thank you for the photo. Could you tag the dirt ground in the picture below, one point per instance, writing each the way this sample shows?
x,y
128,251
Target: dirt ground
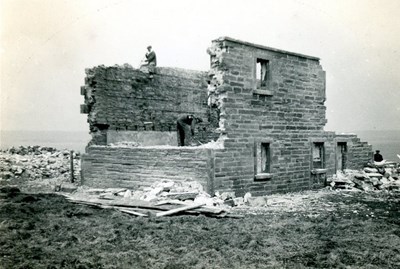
x,y
315,229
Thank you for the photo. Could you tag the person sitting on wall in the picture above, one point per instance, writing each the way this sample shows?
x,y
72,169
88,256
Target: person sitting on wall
x,y
183,125
379,163
150,61
378,157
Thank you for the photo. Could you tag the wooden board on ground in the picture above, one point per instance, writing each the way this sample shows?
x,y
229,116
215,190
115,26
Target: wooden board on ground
x,y
145,208
179,209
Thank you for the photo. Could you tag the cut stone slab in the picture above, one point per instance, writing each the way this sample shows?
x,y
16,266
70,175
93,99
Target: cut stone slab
x,y
68,187
360,176
370,170
377,175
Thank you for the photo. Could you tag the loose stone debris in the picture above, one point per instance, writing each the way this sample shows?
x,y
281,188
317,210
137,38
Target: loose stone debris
x,y
135,144
166,198
37,163
376,176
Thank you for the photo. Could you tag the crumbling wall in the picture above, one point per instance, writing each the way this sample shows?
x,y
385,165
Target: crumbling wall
x,y
125,99
271,131
288,114
359,152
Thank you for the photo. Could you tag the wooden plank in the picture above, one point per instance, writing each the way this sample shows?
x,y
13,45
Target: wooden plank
x,y
182,195
109,207
161,206
115,192
120,203
173,202
180,209
203,210
85,203
132,212
209,210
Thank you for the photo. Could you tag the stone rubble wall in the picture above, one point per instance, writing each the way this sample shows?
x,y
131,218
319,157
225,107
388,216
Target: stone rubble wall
x,y
289,114
37,163
123,98
359,152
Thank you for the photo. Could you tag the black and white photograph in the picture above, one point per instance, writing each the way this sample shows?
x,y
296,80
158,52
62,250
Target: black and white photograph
x,y
199,134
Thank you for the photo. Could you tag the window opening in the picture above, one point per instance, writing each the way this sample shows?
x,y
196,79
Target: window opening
x,y
262,73
341,156
262,161
318,155
265,158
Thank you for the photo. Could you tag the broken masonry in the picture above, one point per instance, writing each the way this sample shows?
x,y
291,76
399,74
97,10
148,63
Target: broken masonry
x,y
262,132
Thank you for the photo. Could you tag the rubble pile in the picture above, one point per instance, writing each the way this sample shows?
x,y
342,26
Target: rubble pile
x,y
35,163
134,144
376,176
160,199
125,144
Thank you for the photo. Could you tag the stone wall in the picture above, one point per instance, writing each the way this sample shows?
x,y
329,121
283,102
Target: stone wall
x,y
271,130
288,114
127,167
123,98
359,152
145,139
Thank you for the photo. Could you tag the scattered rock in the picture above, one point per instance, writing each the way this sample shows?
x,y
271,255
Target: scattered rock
x,y
202,199
377,175
257,201
229,202
239,201
6,175
227,195
370,170
246,197
127,194
368,179
35,163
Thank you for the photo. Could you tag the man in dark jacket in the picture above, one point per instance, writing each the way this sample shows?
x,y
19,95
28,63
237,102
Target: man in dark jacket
x,y
151,57
150,62
183,125
378,157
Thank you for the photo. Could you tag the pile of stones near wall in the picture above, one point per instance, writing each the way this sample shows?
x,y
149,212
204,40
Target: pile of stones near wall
x,y
35,163
383,176
169,192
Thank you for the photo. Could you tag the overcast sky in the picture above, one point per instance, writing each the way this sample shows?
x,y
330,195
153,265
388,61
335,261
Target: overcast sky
x,y
47,44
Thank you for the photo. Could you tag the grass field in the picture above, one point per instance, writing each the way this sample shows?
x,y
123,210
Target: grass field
x,y
325,229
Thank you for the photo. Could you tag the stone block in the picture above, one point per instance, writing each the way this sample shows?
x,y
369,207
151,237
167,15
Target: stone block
x,y
68,187
84,109
257,201
148,138
376,175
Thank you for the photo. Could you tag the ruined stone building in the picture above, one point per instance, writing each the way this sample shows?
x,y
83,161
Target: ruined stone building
x,y
267,116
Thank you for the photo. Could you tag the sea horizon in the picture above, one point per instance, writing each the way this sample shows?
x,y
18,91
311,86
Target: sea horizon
x,y
387,141
71,140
